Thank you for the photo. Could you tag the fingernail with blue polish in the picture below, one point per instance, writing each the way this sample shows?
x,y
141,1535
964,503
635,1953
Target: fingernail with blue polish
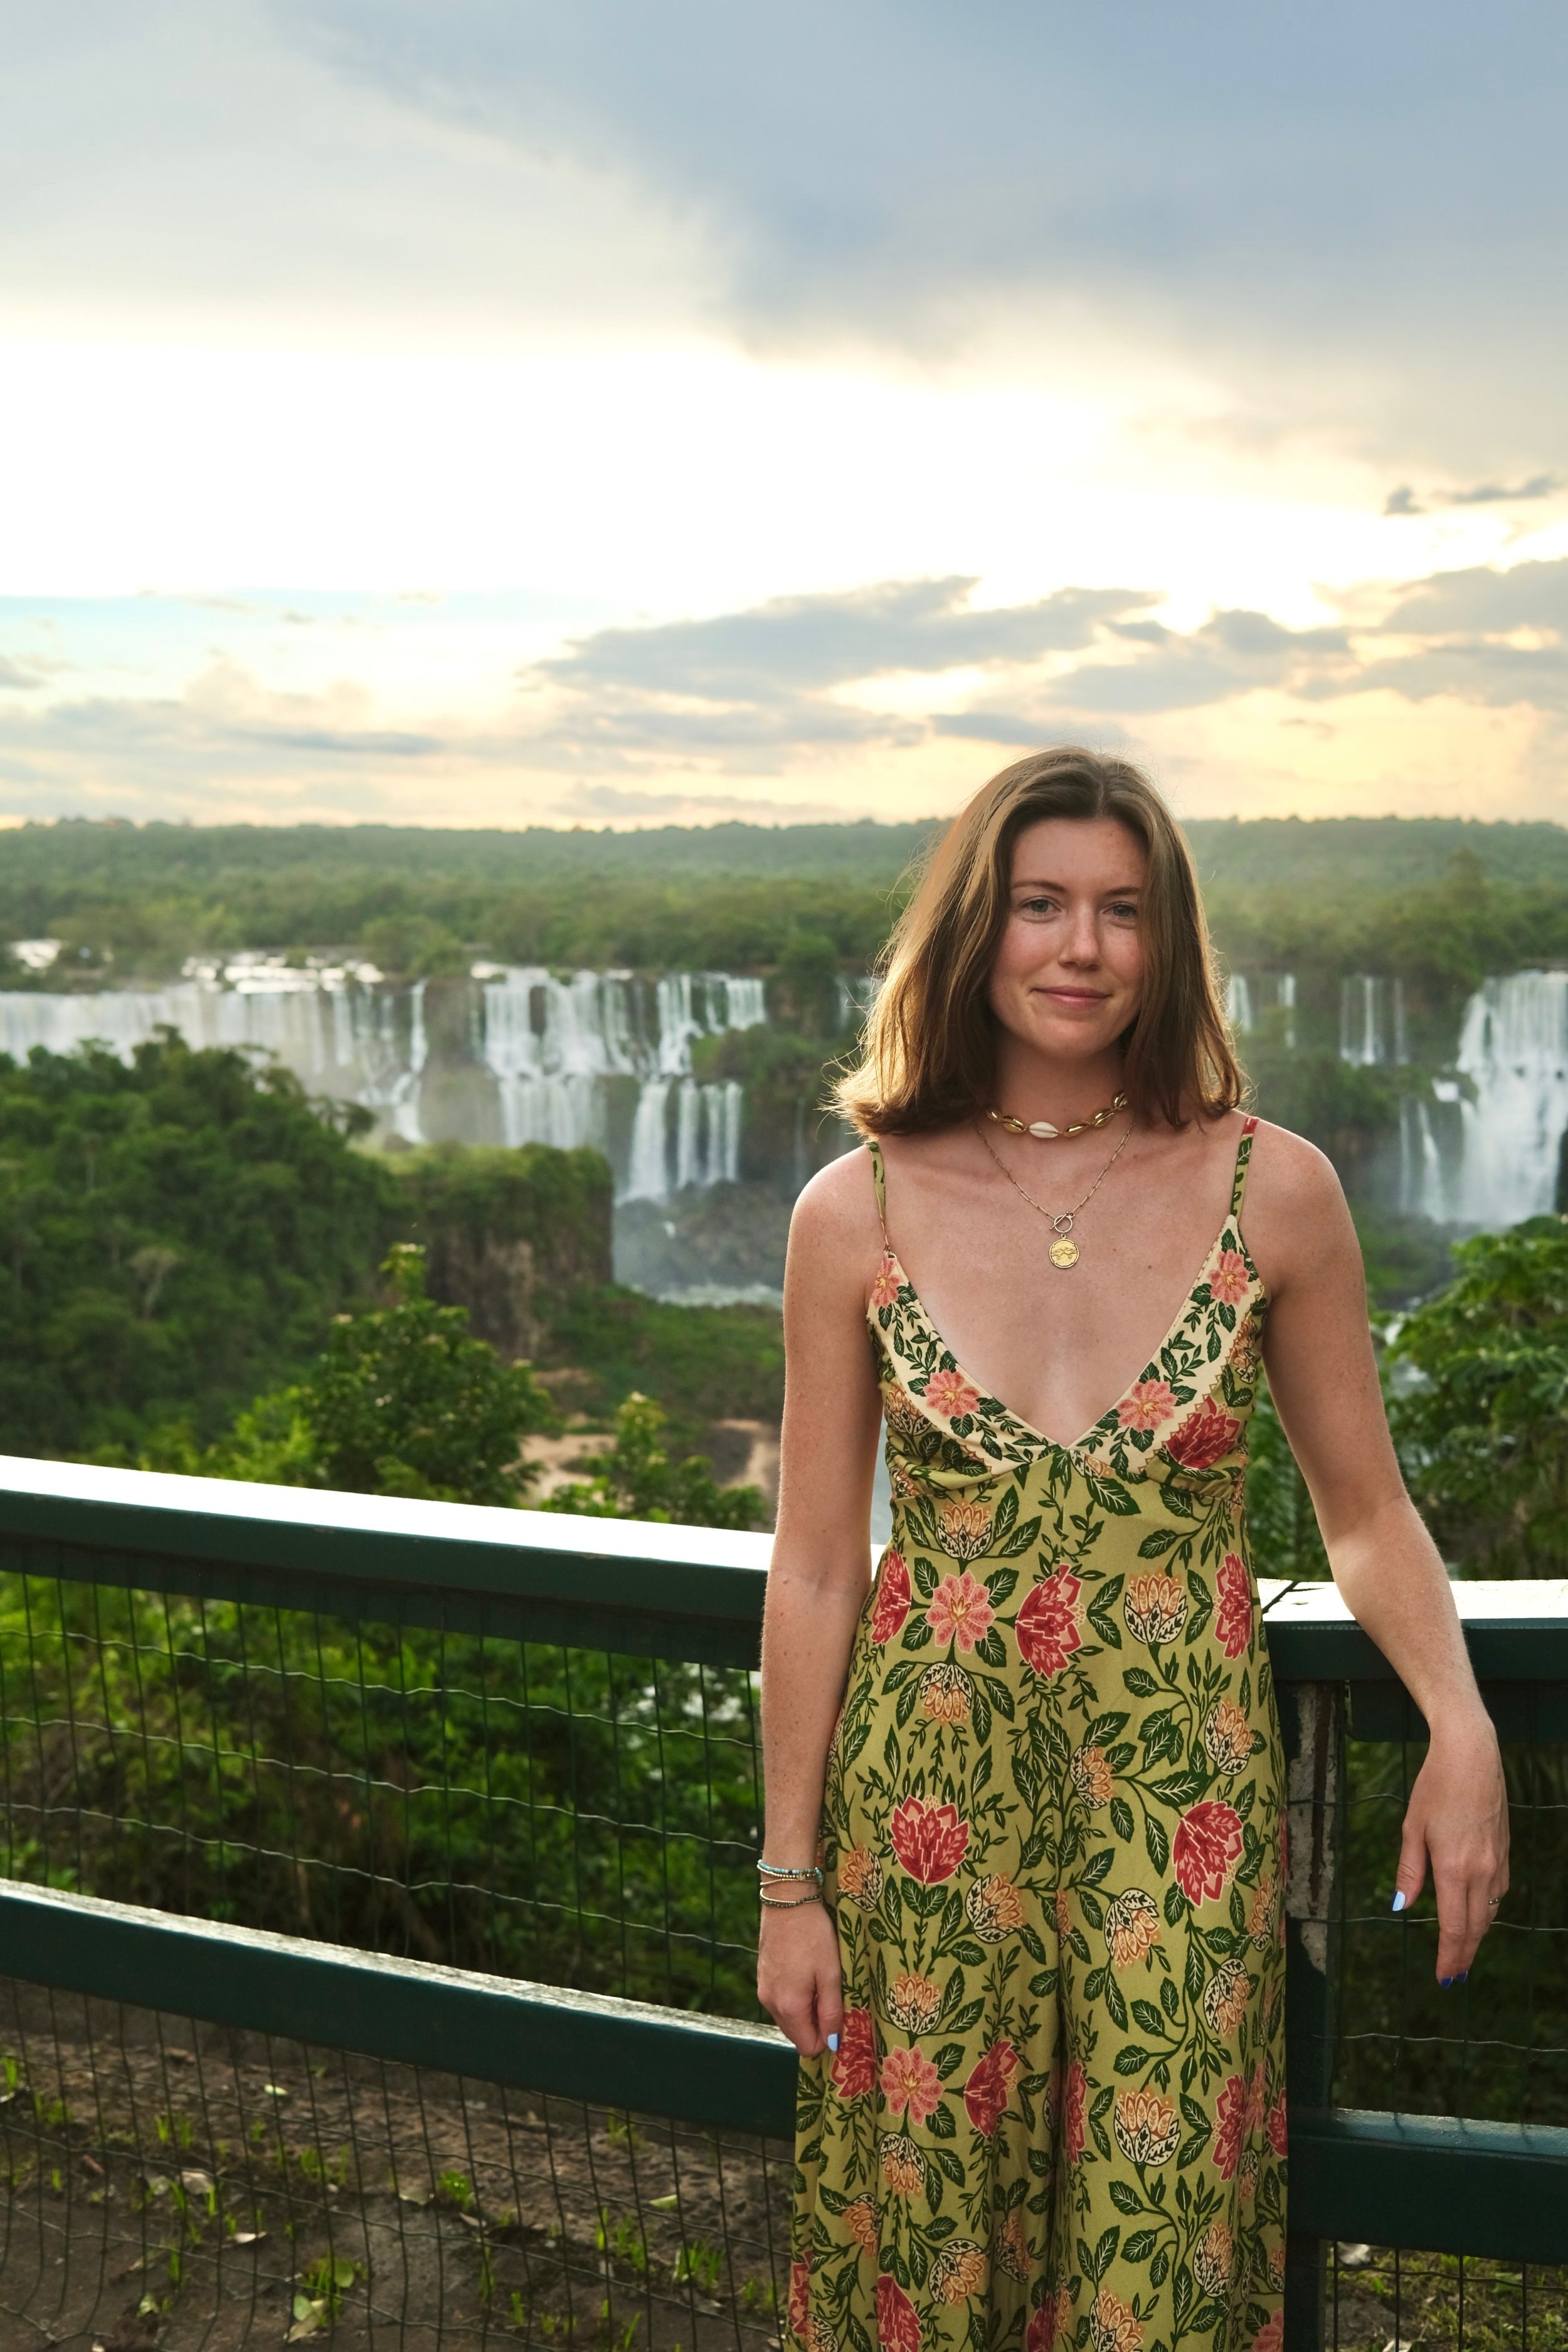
x,y
1399,1902
1446,1982
833,2043
1463,1976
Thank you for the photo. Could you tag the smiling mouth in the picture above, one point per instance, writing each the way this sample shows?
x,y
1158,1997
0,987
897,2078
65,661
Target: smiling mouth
x,y
1075,996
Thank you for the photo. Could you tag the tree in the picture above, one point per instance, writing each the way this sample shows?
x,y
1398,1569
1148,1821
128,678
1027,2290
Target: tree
x,y
403,1401
638,1480
176,1235
1479,1417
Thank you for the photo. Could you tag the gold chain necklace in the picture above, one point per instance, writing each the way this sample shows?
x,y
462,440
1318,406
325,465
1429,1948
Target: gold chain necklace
x,y
1047,1132
1063,1251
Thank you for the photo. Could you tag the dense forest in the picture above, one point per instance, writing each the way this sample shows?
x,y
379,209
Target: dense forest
x,y
186,1239
178,1234
1438,901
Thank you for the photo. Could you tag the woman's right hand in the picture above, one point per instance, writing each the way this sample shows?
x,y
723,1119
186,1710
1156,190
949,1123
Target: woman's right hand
x,y
798,1979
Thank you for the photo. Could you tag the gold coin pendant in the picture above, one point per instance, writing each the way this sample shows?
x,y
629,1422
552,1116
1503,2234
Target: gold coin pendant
x,y
1063,1252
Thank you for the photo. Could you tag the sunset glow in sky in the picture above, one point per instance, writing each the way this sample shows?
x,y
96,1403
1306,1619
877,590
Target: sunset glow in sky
x,y
462,411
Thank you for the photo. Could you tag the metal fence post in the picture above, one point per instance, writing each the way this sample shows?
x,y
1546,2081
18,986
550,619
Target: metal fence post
x,y
1313,1721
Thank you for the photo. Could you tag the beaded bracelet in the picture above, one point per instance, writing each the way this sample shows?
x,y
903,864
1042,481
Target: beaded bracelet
x,y
796,1903
773,1870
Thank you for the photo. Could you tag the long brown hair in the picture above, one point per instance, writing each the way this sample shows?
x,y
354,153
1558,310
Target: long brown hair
x,y
930,1046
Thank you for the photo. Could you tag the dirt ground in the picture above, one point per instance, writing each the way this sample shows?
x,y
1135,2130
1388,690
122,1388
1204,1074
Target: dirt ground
x,y
186,2188
172,2189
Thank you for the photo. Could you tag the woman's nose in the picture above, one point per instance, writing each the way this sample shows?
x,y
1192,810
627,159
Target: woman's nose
x,y
1081,944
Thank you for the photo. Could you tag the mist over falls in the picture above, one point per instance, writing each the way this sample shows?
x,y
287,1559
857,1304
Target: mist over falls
x,y
670,1077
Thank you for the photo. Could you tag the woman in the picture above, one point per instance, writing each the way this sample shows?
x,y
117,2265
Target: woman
x,y
1023,1872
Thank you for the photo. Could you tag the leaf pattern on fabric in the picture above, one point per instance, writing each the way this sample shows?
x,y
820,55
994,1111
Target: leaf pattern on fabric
x,y
1052,1839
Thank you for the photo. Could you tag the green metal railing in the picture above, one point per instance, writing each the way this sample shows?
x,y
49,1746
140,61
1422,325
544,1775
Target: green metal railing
x,y
462,1750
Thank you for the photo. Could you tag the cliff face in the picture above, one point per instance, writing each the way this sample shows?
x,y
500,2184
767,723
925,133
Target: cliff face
x,y
511,1235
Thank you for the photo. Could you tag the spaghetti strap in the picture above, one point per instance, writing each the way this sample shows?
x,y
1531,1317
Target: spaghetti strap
x,y
879,1186
1243,1156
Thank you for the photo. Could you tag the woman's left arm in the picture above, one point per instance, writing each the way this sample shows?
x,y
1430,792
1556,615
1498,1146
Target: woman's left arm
x,y
1323,1378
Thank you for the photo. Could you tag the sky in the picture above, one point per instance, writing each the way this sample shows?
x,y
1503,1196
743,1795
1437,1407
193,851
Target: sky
x,y
474,411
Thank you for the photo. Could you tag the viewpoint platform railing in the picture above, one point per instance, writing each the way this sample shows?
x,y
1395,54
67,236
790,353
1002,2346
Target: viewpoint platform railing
x,y
495,1773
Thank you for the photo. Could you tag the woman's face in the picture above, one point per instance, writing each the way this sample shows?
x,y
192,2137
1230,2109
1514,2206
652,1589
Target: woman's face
x,y
1070,966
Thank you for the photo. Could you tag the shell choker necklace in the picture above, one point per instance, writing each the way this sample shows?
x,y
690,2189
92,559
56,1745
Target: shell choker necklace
x,y
1047,1132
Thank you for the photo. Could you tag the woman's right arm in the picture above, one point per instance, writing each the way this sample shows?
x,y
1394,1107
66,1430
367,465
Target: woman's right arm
x,y
819,1574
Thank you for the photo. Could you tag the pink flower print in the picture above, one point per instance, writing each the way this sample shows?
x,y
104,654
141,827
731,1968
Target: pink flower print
x,y
990,2080
855,2068
898,2321
1145,1404
892,1598
1046,1627
960,1611
1229,2122
910,2080
1205,1437
950,1393
1074,2095
1206,1849
1272,2335
1233,1620
799,2298
930,1840
1278,2131
1228,1282
885,1289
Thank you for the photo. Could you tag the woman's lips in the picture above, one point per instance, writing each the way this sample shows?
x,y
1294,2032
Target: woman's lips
x,y
1079,996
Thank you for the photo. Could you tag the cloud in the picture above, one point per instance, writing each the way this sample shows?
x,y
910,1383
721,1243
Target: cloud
x,y
762,682
841,693
1234,653
794,644
1350,211
1488,493
1403,501
1352,206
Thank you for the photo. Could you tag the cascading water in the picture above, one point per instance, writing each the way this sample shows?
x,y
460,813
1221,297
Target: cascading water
x,y
553,1045
333,1025
1372,1021
1238,1004
1513,1049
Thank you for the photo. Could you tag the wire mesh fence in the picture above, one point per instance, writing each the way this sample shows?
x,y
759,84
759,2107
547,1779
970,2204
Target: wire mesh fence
x,y
580,1817
1381,2296
1496,2046
521,1807
193,2186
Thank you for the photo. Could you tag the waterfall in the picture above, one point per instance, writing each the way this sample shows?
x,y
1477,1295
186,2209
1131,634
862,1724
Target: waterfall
x,y
1513,1049
551,1045
746,1003
554,1047
1372,1021
1285,998
338,1035
1423,1189
648,1178
1238,1004
856,998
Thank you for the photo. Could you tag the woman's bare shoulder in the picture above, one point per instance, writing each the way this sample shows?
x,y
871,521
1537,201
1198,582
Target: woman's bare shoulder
x,y
1295,1213
834,1218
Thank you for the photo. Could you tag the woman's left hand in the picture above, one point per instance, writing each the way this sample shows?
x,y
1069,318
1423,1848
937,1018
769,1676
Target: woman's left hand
x,y
1458,1816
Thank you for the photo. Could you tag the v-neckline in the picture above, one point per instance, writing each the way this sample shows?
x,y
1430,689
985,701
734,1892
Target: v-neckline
x,y
1054,1445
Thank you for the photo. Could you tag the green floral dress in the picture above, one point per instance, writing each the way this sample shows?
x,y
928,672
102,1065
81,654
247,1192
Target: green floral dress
x,y
1052,1839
